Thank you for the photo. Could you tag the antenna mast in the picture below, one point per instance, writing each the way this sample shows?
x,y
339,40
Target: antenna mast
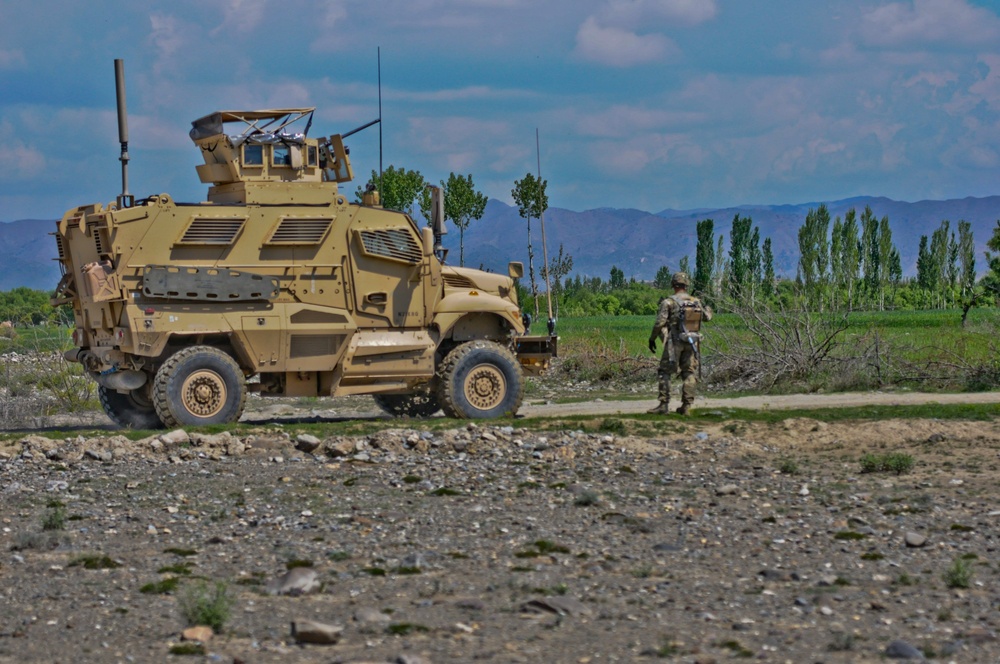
x,y
545,250
125,199
379,58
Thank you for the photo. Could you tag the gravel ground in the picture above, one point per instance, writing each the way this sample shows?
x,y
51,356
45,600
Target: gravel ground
x,y
691,542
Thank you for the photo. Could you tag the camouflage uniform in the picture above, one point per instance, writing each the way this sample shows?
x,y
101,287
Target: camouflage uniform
x,y
679,355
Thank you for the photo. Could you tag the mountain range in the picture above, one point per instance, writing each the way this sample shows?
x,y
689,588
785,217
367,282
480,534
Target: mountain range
x,y
635,241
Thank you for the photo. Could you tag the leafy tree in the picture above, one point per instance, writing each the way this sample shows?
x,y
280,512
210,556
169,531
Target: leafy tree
x,y
617,280
704,257
663,277
398,188
871,268
740,259
814,252
685,265
532,201
768,279
462,204
560,267
926,274
887,253
966,257
849,268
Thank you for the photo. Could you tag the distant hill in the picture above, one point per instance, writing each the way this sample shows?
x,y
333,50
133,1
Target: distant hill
x,y
27,255
640,242
636,241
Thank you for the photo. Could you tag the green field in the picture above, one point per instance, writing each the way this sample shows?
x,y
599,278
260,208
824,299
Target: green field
x,y
927,350
920,330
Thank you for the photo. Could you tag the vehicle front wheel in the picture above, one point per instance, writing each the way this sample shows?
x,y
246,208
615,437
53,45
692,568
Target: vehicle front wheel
x,y
479,380
419,403
197,386
130,410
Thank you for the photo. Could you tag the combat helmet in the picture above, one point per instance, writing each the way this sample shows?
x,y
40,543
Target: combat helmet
x,y
680,279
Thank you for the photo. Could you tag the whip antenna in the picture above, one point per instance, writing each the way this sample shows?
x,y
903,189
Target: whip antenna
x,y
545,250
125,199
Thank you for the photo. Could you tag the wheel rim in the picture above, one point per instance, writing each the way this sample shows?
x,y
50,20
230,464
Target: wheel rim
x,y
485,387
204,393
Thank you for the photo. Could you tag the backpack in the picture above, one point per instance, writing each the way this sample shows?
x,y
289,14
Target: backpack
x,y
688,316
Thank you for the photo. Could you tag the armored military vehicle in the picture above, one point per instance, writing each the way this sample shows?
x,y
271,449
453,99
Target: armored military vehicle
x,y
278,284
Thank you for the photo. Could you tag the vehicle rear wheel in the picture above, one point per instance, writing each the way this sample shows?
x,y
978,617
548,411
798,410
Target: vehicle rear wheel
x,y
480,379
199,385
130,410
420,403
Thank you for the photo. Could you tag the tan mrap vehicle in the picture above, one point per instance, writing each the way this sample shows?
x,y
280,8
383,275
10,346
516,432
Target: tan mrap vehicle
x,y
278,277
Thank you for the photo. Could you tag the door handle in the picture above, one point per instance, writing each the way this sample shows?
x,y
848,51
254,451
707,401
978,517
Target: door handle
x,y
378,298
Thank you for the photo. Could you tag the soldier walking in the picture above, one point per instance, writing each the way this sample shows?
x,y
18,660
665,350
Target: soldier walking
x,y
678,326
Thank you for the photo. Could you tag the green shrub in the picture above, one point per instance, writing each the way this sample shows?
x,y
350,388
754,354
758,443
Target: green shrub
x,y
894,462
207,604
959,575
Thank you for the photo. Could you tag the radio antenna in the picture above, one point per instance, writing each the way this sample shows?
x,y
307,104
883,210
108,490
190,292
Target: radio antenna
x,y
379,58
126,199
545,249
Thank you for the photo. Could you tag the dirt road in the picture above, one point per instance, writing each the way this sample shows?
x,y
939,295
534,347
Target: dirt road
x,y
775,402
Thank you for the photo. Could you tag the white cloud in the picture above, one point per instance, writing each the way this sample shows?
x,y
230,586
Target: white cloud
x,y
922,22
11,58
241,16
617,47
634,13
166,34
988,87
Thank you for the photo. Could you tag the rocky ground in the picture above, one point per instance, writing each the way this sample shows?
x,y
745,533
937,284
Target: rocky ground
x,y
632,540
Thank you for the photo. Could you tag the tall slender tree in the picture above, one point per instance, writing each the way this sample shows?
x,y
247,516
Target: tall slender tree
x,y
532,201
704,258
462,204
966,257
768,280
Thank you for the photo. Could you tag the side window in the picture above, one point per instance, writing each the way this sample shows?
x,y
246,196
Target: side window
x,y
253,155
313,158
281,156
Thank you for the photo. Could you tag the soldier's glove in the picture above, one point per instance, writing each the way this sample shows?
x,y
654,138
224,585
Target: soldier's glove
x,y
652,345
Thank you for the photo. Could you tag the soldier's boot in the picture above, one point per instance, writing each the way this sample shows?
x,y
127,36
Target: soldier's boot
x,y
684,410
661,409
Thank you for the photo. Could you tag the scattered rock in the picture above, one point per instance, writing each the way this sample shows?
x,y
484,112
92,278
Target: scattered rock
x,y
914,540
311,631
726,490
199,633
296,581
307,443
902,650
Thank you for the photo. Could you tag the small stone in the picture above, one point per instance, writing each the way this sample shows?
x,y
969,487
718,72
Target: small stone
x,y
340,448
199,633
557,605
726,490
175,437
902,650
826,611
307,443
368,615
914,540
311,631
804,491
297,581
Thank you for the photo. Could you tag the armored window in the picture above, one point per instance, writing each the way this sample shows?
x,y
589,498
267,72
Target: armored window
x,y
212,230
299,230
313,156
281,155
397,244
253,155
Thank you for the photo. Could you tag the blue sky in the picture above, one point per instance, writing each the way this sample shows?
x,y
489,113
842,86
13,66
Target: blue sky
x,y
647,104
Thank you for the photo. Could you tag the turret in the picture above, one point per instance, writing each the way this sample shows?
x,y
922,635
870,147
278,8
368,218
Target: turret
x,y
265,162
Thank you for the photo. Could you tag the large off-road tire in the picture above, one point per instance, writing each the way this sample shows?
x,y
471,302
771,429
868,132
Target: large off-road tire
x,y
422,402
478,380
131,410
199,385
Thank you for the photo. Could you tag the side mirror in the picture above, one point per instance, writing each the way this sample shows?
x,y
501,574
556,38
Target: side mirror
x,y
437,211
515,269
